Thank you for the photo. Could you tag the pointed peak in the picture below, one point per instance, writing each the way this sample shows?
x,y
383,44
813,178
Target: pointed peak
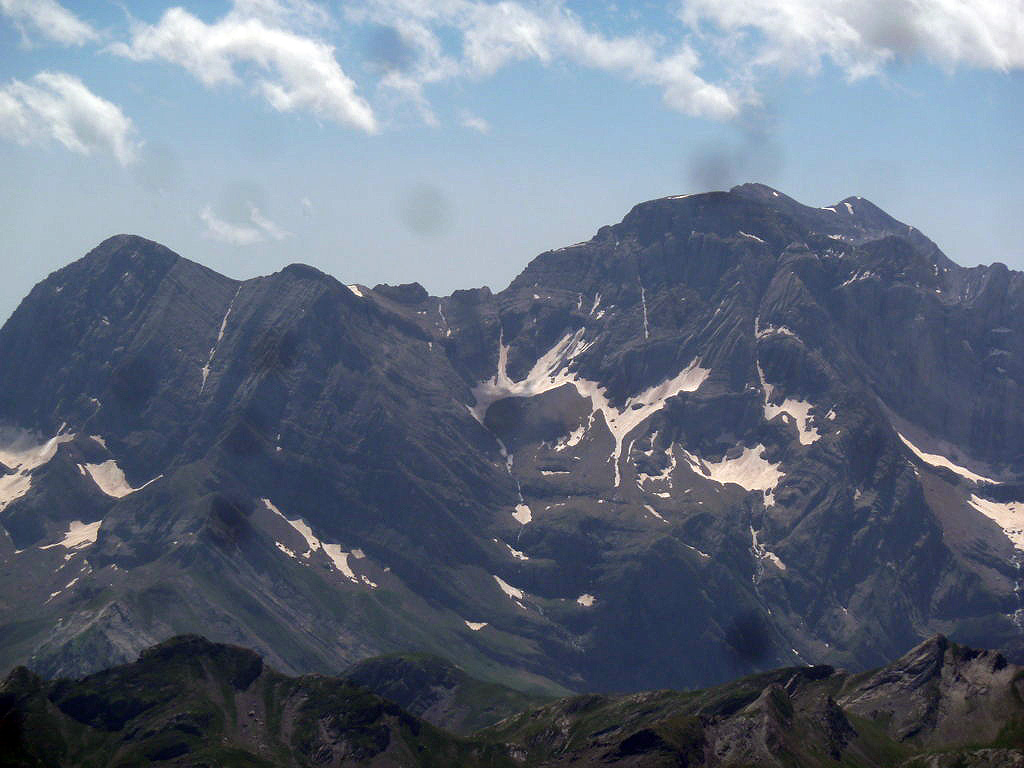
x,y
305,272
131,248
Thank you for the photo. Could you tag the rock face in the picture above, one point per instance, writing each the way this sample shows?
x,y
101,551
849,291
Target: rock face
x,y
727,434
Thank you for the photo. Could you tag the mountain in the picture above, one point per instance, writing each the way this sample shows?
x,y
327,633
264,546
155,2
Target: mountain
x,y
728,434
438,691
192,702
939,705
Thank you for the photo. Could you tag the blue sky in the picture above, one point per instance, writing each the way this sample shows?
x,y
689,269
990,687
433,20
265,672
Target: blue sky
x,y
450,141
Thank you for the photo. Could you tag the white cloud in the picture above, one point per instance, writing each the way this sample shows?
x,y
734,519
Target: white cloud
x,y
57,106
474,122
443,40
292,71
273,230
287,13
261,229
494,35
863,36
50,19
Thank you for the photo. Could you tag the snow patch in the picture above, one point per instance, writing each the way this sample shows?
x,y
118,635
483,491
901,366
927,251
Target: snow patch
x,y
334,552
567,247
763,554
654,513
752,237
355,289
512,550
110,479
1007,515
798,411
220,337
476,626
703,555
936,460
573,439
749,470
552,371
514,593
775,330
22,454
340,559
523,514
643,301
857,277
586,600
78,535
665,476
13,487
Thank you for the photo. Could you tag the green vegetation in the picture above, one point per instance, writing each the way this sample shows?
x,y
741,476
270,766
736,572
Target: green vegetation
x,y
195,703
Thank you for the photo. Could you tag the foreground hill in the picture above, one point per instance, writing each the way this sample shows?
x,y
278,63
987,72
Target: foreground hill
x,y
191,702
727,434
440,692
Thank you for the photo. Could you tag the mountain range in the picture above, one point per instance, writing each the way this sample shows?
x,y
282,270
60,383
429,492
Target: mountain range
x,y
189,702
728,434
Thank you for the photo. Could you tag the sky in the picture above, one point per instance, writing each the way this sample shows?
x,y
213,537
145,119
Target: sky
x,y
450,141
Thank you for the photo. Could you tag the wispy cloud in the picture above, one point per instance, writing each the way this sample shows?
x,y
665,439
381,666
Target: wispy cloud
x,y
251,46
293,14
863,36
58,106
50,19
260,230
272,230
473,122
492,36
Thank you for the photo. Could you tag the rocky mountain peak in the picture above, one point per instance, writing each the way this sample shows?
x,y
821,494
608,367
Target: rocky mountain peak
x,y
787,424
